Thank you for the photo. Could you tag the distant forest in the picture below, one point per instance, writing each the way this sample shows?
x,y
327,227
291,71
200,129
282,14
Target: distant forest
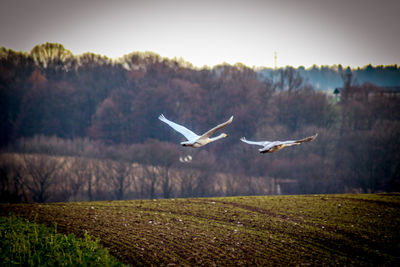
x,y
85,127
328,78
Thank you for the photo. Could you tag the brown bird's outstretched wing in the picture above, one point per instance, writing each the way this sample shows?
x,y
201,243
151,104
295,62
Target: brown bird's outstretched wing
x,y
307,139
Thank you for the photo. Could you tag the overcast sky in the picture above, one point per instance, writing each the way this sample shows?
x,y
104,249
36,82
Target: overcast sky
x,y
302,32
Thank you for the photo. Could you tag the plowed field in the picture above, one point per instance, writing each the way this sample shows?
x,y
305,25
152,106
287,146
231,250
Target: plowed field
x,y
268,230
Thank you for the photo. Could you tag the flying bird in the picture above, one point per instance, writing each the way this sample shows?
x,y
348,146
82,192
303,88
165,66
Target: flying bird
x,y
193,139
269,147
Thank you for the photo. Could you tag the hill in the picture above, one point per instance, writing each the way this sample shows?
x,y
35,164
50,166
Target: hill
x,y
89,106
266,230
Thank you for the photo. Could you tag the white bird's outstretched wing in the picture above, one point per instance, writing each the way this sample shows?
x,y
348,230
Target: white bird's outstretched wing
x,y
190,136
216,128
260,143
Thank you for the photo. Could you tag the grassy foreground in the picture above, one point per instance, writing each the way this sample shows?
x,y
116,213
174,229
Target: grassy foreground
x,y
24,243
266,230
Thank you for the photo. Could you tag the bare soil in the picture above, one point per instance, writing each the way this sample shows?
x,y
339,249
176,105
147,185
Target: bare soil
x,y
268,230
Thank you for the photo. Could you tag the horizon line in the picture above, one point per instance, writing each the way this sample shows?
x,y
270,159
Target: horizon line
x,y
207,66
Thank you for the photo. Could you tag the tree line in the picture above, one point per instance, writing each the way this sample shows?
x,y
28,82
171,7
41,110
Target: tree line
x,y
56,106
330,77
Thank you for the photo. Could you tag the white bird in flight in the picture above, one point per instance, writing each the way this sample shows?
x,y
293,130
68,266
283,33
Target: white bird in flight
x,y
193,139
269,147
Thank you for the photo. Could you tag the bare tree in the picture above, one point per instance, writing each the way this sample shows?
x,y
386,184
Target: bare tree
x,y
99,185
188,178
80,174
203,163
139,184
40,173
120,175
290,80
348,77
152,179
170,157
11,186
157,159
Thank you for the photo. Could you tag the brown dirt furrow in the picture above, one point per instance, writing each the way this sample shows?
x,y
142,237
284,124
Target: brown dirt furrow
x,y
315,240
222,232
363,200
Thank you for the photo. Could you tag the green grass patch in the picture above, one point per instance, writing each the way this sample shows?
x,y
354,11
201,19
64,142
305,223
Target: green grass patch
x,y
23,243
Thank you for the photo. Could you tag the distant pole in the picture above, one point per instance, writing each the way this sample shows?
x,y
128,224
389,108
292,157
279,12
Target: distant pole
x,y
275,60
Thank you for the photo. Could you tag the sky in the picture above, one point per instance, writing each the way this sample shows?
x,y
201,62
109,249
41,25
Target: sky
x,y
299,32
